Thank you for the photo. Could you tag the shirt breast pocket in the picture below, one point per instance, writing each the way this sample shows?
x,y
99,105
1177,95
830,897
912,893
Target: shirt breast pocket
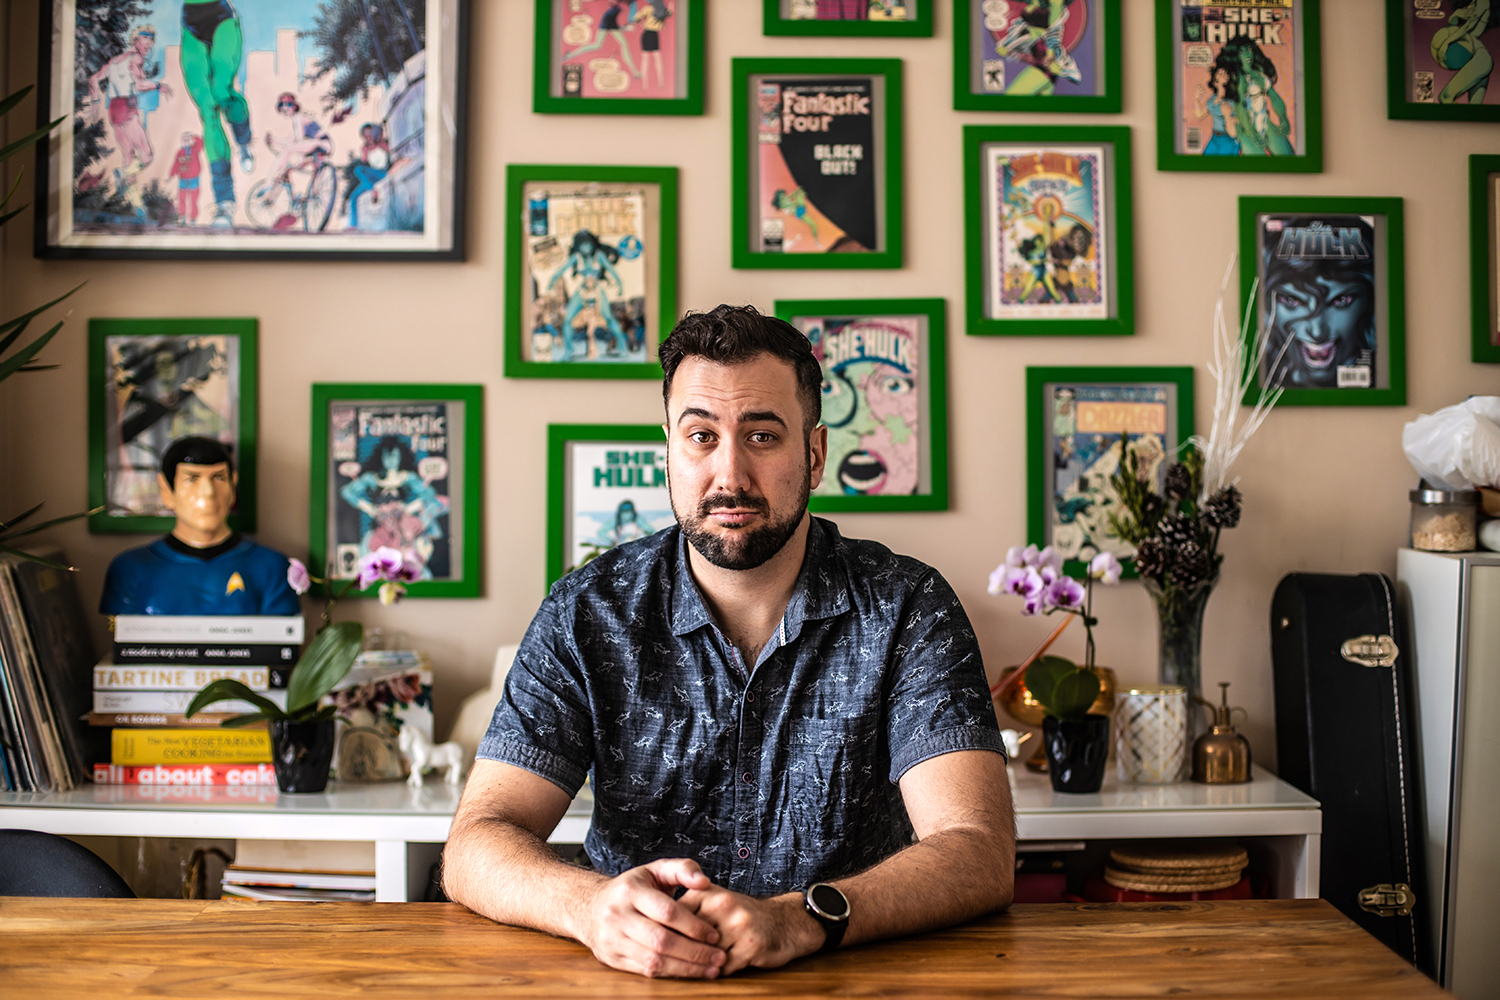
x,y
834,771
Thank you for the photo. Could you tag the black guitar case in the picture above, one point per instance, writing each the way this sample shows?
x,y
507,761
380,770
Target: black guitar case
x,y
1345,734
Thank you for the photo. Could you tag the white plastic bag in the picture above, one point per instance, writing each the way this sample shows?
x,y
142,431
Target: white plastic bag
x,y
1458,447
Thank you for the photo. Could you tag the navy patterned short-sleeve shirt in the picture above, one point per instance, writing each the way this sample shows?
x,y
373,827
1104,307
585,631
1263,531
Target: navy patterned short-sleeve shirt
x,y
771,776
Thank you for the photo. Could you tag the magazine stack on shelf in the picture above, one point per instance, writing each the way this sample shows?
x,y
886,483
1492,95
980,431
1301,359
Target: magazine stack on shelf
x,y
45,655
159,663
303,871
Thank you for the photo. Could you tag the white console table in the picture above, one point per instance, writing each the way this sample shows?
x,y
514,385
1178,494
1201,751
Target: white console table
x,y
408,826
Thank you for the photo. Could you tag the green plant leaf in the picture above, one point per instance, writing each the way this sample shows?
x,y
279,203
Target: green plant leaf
x,y
9,365
12,213
6,152
1074,693
20,517
45,525
1043,675
16,186
9,103
17,326
225,689
325,663
246,720
35,558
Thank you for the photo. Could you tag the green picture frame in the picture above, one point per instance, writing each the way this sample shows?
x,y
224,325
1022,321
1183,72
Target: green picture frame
x,y
689,50
1410,65
416,432
1174,383
916,357
1387,297
211,379
1306,65
657,187
774,22
1484,255
886,128
1106,51
1107,148
622,482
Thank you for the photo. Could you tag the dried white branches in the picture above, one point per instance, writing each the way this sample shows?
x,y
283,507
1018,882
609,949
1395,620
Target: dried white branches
x,y
1237,357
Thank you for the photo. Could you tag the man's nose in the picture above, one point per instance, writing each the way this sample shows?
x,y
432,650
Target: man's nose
x,y
731,466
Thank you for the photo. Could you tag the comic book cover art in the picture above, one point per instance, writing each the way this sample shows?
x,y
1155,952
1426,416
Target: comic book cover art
x,y
873,404
817,166
393,482
1088,423
851,10
1317,298
1036,48
241,125
586,260
1237,72
1047,233
617,48
159,389
1451,51
616,492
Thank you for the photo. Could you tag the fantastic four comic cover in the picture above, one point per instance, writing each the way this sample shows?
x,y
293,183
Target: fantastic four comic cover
x,y
817,163
1237,78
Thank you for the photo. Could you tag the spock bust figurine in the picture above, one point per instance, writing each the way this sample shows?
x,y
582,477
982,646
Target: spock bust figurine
x,y
202,567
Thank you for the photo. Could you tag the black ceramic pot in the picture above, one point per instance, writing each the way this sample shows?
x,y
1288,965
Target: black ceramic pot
x,y
301,753
1076,752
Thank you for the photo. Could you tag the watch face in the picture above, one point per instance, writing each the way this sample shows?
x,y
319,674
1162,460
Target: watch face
x,y
828,899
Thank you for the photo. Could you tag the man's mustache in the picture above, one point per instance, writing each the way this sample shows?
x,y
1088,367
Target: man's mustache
x,y
733,501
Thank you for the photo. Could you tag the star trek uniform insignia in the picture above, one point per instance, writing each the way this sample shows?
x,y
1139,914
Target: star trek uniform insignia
x,y
235,583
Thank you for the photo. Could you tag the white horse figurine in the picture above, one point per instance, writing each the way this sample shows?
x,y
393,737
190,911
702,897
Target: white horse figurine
x,y
426,755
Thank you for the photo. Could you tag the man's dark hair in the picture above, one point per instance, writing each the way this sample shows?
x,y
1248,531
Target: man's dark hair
x,y
731,335
194,451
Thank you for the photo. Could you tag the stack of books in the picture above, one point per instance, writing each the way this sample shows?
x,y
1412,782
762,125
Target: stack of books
x,y
303,871
45,656
159,663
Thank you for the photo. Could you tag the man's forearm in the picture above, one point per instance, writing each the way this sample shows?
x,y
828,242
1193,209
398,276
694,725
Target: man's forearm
x,y
510,875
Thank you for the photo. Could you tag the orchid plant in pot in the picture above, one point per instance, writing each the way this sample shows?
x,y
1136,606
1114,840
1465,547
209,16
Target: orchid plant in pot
x,y
302,733
1076,742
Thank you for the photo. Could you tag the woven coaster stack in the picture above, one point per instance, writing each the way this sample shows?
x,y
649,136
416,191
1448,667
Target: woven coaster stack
x,y
1176,868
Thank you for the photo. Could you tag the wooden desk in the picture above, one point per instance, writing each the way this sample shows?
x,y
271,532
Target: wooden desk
x,y
57,949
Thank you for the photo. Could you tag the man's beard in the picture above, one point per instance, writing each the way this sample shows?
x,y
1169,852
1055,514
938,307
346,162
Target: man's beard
x,y
744,548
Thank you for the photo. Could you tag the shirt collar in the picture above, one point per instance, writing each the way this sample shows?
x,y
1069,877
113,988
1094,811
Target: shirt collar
x,y
822,589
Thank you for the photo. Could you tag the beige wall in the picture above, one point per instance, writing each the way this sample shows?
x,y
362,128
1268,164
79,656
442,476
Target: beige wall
x,y
1325,487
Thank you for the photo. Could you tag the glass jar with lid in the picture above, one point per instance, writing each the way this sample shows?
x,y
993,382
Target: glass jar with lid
x,y
1444,520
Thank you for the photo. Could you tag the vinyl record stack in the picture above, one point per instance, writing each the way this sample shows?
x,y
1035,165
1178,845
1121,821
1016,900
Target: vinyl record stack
x,y
159,663
45,655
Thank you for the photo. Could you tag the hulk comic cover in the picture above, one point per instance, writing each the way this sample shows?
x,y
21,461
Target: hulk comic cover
x,y
616,48
1047,233
1034,48
1317,300
1087,425
1450,51
1237,78
850,10
873,404
392,482
817,165
585,257
617,491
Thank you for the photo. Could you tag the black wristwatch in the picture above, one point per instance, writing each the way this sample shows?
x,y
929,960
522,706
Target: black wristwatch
x,y
830,908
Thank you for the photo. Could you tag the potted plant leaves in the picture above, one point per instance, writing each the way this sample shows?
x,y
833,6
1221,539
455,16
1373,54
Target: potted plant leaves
x,y
302,734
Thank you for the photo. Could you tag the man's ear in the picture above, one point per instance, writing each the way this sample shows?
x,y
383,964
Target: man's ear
x,y
817,446
168,498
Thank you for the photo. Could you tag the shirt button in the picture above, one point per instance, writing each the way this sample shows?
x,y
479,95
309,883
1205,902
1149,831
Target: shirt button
x,y
746,776
744,853
749,695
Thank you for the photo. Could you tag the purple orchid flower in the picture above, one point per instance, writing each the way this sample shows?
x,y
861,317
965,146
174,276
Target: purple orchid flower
x,y
297,576
1064,592
381,565
1106,568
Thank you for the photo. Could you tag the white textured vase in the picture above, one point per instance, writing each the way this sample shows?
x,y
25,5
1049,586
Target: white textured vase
x,y
1151,734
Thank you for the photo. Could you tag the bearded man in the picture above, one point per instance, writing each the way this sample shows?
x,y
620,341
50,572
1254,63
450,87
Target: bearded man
x,y
788,732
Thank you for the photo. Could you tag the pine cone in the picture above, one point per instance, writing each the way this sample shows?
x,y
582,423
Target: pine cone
x,y
1179,482
1151,559
1190,568
1153,507
1223,508
1176,531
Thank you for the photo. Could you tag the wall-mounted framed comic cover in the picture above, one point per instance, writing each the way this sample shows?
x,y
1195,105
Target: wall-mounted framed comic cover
x,y
606,484
1239,86
1329,278
591,270
817,163
1012,55
850,18
885,400
1484,254
398,466
1048,230
150,382
1076,421
597,57
1439,55
201,129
